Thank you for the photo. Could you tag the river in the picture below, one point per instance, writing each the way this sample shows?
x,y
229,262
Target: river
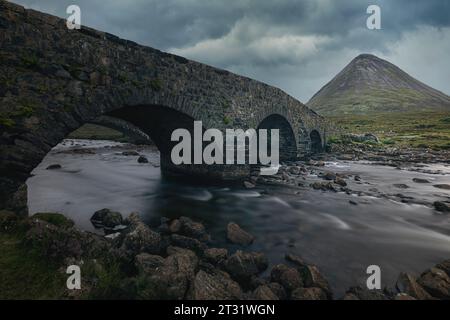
x,y
342,239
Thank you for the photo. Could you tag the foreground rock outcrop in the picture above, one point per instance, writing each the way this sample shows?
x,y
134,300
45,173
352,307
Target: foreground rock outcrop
x,y
144,263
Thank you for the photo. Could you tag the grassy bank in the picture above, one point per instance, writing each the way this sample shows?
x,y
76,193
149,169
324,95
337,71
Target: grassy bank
x,y
96,132
25,274
413,129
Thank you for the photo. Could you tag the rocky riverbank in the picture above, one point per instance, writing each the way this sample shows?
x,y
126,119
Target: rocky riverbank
x,y
175,261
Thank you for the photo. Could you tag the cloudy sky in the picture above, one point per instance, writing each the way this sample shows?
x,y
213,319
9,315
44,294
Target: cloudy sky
x,y
296,45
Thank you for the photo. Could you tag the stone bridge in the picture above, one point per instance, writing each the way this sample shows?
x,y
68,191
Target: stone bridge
x,y
53,80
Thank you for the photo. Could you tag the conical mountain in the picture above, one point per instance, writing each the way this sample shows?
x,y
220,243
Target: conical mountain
x,y
373,85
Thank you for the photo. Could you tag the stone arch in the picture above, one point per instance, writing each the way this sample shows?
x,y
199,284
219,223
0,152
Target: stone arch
x,y
288,141
316,141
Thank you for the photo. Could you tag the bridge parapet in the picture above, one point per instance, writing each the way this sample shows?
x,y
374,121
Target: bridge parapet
x,y
53,80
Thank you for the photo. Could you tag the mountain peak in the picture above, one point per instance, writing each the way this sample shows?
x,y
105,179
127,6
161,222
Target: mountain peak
x,y
370,84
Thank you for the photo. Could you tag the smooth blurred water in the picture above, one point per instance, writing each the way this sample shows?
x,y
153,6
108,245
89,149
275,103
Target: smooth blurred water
x,y
322,227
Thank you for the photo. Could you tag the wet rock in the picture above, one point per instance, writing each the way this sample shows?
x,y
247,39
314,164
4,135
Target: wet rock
x,y
418,180
442,206
130,153
54,167
278,290
401,186
436,282
172,279
357,178
243,265
444,266
313,278
308,294
264,292
403,297
214,285
288,277
188,243
324,186
330,176
406,283
249,185
340,182
105,218
193,229
359,293
140,238
296,260
295,170
175,226
215,255
442,186
142,159
352,202
148,263
236,235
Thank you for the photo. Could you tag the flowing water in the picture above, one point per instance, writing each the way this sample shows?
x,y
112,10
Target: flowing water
x,y
322,227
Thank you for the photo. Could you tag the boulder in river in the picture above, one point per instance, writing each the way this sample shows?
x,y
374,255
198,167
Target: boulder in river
x,y
442,186
105,218
130,153
236,235
215,255
54,167
419,180
142,159
190,228
214,285
442,206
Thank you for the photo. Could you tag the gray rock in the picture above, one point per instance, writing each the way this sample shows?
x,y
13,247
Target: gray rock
x,y
237,235
148,263
54,167
142,159
105,218
418,180
359,293
214,285
140,238
442,186
278,289
340,181
172,279
308,294
442,206
406,283
243,265
264,292
313,278
192,229
130,153
249,185
436,282
288,277
215,255
188,243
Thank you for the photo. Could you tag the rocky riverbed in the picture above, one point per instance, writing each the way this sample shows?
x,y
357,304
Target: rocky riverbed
x,y
338,212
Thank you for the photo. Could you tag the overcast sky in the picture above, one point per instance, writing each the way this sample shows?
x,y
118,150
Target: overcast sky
x,y
296,45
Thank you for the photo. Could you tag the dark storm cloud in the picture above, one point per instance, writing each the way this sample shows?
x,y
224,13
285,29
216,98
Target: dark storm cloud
x,y
278,42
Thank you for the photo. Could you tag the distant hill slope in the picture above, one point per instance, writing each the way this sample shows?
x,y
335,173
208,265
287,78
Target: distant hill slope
x,y
371,85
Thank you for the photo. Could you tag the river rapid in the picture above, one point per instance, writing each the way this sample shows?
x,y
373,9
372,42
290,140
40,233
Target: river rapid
x,y
380,222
